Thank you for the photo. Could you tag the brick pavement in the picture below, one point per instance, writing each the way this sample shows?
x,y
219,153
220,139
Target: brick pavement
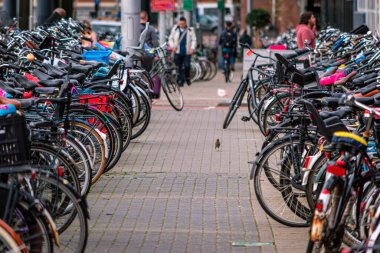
x,y
172,192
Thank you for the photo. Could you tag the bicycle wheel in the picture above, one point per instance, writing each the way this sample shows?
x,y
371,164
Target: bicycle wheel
x,y
118,138
235,103
330,240
52,159
227,72
315,180
98,121
267,116
278,181
94,144
10,241
82,162
67,209
143,122
31,227
214,71
172,91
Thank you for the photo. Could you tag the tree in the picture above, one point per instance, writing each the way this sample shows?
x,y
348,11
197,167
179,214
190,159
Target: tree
x,y
258,19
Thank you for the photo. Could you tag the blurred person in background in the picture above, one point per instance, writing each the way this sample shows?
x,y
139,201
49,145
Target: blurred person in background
x,y
228,42
183,41
89,33
245,39
57,14
151,38
305,30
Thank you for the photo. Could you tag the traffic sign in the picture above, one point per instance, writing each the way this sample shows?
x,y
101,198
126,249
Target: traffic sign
x,y
162,5
188,5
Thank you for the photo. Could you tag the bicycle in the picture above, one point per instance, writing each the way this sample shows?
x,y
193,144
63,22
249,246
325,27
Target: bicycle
x,y
248,84
228,71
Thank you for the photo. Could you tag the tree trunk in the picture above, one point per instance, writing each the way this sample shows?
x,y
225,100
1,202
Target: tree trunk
x,y
256,42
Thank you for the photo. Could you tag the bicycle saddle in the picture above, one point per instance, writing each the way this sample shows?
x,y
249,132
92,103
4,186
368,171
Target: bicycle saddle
x,y
51,83
24,82
11,91
41,75
338,113
45,90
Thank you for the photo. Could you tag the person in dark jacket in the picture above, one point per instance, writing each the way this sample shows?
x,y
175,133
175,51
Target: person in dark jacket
x,y
228,42
151,36
245,39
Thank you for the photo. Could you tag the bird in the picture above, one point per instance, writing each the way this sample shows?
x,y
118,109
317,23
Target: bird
x,y
217,144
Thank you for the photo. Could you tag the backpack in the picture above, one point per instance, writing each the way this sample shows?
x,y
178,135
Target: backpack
x,y
229,39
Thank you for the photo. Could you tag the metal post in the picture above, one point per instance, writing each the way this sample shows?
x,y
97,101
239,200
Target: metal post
x,y
23,13
31,14
44,10
130,22
10,7
220,30
249,9
162,27
274,12
187,15
18,12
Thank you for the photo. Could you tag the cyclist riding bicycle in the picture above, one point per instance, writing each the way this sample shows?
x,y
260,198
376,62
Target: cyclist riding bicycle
x,y
228,42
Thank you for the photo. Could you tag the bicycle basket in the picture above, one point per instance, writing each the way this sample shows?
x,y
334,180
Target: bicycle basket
x,y
97,55
14,141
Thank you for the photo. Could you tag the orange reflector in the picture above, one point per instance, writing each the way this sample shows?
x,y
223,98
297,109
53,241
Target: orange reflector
x,y
249,52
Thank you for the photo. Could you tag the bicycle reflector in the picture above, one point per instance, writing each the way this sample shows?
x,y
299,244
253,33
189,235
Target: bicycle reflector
x,y
60,171
336,170
249,52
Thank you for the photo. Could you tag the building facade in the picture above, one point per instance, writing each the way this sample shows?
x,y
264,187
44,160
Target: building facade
x,y
367,12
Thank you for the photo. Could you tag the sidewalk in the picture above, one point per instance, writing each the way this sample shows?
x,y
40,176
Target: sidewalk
x,y
173,192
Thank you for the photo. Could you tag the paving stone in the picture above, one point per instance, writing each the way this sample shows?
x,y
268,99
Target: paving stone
x,y
173,192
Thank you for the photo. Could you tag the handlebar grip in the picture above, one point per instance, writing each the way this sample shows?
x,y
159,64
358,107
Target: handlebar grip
x,y
368,89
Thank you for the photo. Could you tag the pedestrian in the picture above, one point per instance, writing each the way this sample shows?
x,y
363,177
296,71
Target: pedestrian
x,y
305,30
245,39
57,14
228,42
151,38
89,33
183,41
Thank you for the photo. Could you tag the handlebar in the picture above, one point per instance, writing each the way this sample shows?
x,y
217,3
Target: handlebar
x,y
350,100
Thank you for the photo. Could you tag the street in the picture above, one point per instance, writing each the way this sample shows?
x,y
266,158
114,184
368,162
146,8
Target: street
x,y
173,192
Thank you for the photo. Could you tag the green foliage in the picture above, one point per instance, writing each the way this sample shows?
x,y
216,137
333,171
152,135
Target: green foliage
x,y
258,18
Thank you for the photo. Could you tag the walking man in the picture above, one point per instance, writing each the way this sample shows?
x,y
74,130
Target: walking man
x,y
183,41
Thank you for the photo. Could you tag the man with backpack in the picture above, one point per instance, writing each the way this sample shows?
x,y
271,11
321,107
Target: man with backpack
x,y
228,42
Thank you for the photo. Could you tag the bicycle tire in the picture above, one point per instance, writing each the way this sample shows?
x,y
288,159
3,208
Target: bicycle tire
x,y
171,87
144,120
46,189
235,103
61,161
295,212
94,144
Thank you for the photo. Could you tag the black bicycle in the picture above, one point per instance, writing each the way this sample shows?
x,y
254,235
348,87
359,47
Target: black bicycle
x,y
250,85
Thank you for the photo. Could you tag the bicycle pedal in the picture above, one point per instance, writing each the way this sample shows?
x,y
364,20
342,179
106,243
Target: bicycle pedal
x,y
245,118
